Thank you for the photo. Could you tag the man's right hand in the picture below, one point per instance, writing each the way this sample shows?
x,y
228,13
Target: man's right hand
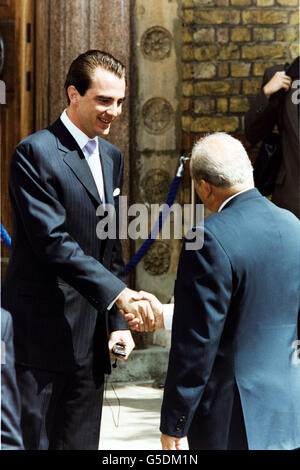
x,y
279,81
138,324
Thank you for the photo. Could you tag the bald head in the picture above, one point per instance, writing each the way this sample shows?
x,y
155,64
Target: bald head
x,y
222,161
220,168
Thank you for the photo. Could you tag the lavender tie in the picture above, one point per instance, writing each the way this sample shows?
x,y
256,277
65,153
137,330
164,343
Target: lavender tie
x,y
90,146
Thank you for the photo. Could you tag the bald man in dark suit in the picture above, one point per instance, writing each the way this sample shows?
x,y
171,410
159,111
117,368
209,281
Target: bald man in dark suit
x,y
233,380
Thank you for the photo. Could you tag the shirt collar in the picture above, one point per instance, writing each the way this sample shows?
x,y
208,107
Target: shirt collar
x,y
80,137
229,199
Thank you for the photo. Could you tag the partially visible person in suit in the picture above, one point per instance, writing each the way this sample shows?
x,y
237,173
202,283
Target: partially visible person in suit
x,y
278,103
233,380
11,435
65,280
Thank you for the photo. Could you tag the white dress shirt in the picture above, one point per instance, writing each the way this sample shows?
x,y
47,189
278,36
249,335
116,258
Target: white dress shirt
x,y
168,310
93,160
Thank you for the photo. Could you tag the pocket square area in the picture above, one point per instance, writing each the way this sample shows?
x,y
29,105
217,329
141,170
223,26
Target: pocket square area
x,y
116,192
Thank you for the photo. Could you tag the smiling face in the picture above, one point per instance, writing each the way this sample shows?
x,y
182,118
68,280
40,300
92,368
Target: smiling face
x,y
95,111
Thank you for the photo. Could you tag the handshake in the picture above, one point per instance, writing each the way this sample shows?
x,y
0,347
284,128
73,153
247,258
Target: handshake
x,y
141,310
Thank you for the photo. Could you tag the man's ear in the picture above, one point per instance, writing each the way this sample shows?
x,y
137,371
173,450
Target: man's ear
x,y
206,188
72,94
197,187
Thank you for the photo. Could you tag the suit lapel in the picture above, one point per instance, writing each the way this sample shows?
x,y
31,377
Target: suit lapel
x,y
74,158
80,167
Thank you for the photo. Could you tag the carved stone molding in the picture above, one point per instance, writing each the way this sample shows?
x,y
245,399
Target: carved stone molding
x,y
156,185
156,43
157,259
157,115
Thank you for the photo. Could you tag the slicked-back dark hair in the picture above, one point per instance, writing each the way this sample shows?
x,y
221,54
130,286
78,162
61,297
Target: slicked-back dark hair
x,y
82,68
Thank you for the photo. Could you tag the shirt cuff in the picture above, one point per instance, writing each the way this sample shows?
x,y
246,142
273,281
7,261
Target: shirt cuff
x,y
114,301
168,310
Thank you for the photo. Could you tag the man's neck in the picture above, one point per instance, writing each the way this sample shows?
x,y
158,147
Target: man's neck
x,y
72,117
232,192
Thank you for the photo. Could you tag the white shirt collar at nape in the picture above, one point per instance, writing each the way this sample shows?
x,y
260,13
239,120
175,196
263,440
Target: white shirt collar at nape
x,y
229,199
80,137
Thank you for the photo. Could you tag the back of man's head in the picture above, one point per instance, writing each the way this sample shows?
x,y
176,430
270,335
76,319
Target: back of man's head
x,y
81,71
222,161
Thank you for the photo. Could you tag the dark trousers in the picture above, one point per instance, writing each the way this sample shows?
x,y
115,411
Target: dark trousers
x,y
60,411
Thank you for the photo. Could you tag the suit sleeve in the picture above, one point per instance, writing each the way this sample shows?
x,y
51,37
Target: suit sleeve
x,y
33,191
202,298
262,115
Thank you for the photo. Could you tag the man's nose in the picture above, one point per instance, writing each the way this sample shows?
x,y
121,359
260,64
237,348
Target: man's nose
x,y
114,110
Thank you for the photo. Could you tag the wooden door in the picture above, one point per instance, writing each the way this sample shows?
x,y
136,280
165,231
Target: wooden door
x,y
17,114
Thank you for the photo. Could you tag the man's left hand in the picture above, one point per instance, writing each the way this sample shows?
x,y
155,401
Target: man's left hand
x,y
172,443
123,337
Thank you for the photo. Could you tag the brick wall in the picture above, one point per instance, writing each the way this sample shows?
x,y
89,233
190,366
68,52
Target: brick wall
x,y
227,44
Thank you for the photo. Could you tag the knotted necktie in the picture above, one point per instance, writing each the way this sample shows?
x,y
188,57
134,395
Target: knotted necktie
x,y
90,146
95,166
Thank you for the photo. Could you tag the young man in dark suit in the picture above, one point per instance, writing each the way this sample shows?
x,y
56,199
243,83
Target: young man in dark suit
x,y
64,282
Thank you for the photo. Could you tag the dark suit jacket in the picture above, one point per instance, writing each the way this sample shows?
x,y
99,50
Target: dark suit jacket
x,y
61,277
261,118
237,302
11,435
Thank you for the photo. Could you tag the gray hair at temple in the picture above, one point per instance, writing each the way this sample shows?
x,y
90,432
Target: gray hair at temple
x,y
220,160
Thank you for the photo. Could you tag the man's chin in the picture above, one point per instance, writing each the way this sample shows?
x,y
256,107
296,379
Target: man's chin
x,y
103,131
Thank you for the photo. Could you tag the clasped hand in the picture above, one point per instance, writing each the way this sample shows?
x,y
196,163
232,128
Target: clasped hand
x,y
141,310
279,81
